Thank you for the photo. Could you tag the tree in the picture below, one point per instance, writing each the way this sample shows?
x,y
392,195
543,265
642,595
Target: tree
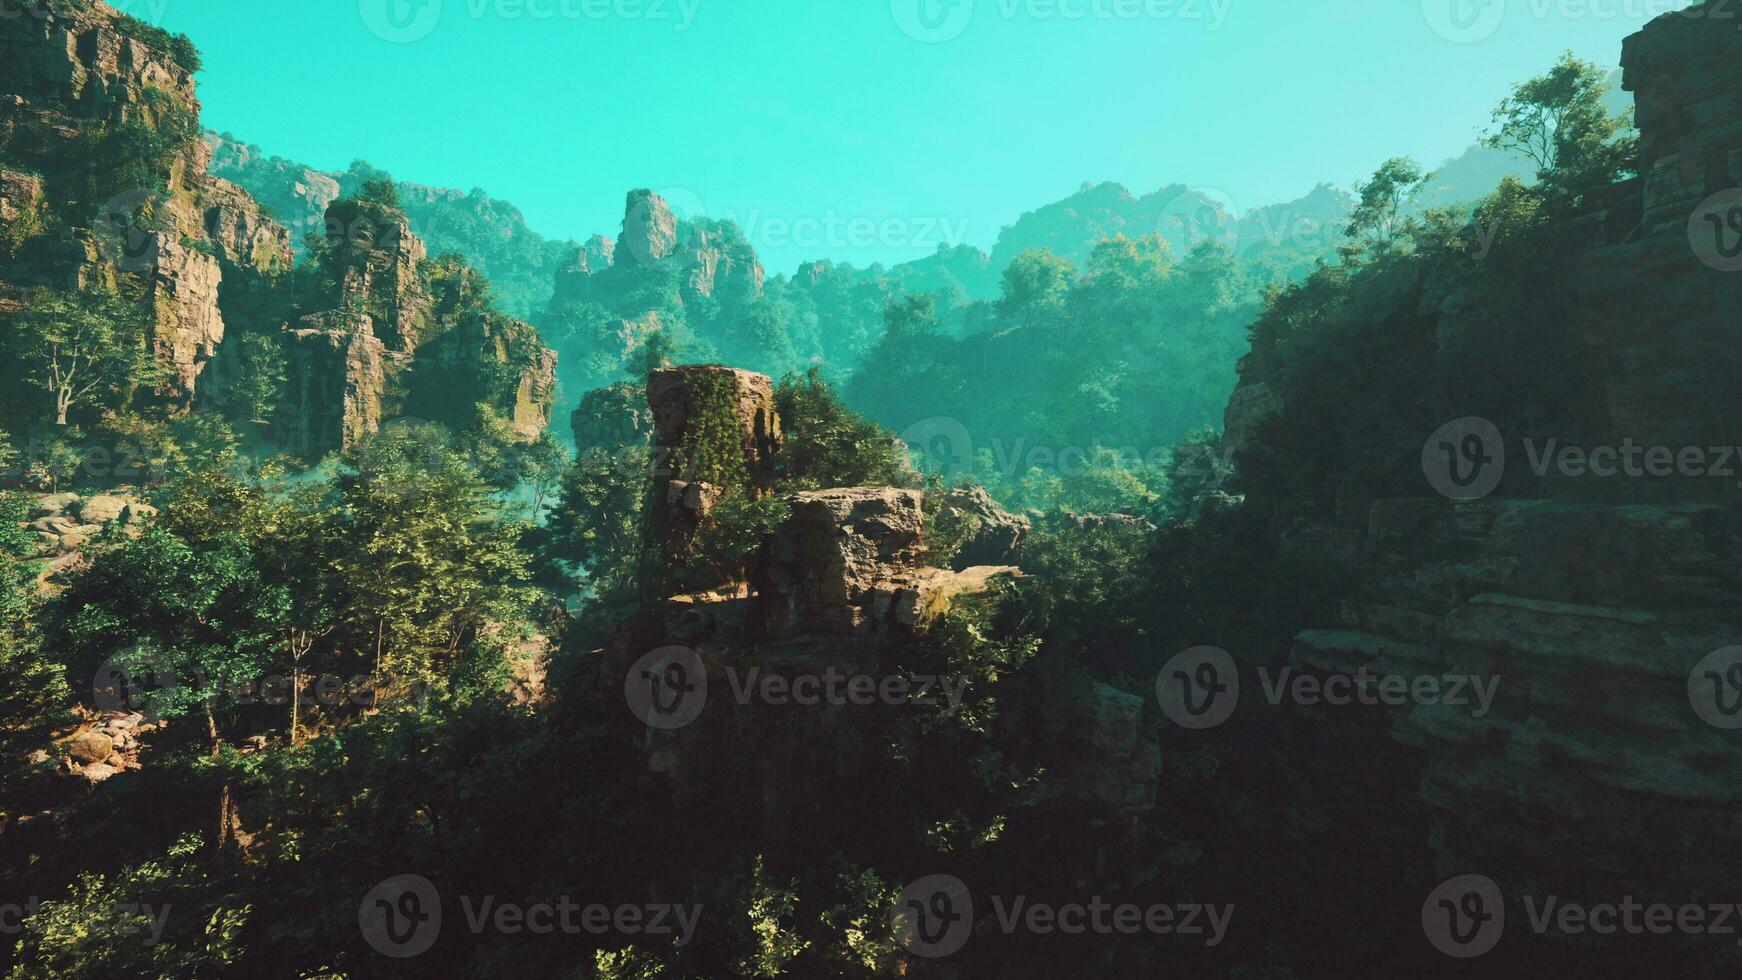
x,y
427,560
1382,200
1035,285
827,444
1559,121
260,378
595,526
83,347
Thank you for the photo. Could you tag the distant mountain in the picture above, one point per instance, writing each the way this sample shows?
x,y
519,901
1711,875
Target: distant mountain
x,y
491,234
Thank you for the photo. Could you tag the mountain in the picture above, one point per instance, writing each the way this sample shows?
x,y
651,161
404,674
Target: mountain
x,y
490,233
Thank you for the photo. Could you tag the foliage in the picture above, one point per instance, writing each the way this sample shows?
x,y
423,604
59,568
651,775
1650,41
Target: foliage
x,y
1383,198
829,445
1558,119
736,530
260,377
81,350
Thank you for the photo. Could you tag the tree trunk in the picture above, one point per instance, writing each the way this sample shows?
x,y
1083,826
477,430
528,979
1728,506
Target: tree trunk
x,y
225,832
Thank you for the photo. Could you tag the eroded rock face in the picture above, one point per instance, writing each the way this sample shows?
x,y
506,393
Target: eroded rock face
x,y
189,325
674,395
337,369
649,230
997,534
846,557
81,64
244,237
20,201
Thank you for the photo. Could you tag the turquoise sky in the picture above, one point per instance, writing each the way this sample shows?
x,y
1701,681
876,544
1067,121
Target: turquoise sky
x,y
870,130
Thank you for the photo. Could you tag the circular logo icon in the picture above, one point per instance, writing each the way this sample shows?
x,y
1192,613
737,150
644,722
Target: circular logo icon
x,y
934,916
668,688
1715,230
1465,459
940,446
1465,916
1201,214
1715,688
933,21
130,245
1464,21
401,917
401,21
1199,688
140,679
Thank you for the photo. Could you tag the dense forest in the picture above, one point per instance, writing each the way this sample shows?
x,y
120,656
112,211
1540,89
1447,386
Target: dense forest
x,y
392,591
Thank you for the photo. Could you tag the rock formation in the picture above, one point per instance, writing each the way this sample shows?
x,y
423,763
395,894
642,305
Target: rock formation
x,y
612,418
1590,600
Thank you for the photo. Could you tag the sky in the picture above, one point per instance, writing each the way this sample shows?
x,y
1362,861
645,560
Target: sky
x,y
871,130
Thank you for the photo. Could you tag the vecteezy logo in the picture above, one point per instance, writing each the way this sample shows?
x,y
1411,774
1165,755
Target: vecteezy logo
x,y
941,446
1465,916
668,688
139,679
402,916
1465,459
1715,688
129,244
932,21
1715,230
934,916
1199,688
401,21
1464,21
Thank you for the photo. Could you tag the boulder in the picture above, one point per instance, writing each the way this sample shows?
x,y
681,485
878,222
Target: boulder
x,y
52,504
997,534
90,747
102,509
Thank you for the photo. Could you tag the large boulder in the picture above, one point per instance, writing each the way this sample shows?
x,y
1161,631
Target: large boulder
x,y
996,535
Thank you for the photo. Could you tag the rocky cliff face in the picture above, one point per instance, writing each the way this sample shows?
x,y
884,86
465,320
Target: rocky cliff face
x,y
212,264
1592,600
404,339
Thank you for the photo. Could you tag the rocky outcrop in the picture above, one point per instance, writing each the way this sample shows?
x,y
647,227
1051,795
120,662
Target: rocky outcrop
x,y
650,230
246,240
995,536
20,207
66,522
189,324
1590,601
86,60
337,371
612,418
687,401
845,559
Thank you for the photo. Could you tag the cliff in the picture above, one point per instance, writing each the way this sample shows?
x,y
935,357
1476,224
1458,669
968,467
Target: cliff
x,y
1594,596
106,108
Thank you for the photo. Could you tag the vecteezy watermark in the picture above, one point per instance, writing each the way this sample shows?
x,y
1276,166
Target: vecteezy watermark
x,y
146,679
1465,917
937,21
1368,687
1715,688
1464,21
405,21
942,446
127,919
934,917
1633,460
402,917
1470,21
1715,230
1465,459
667,689
1200,688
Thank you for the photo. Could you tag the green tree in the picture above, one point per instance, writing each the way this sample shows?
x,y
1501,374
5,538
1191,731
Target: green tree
x,y
83,348
1559,121
1383,199
1035,285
